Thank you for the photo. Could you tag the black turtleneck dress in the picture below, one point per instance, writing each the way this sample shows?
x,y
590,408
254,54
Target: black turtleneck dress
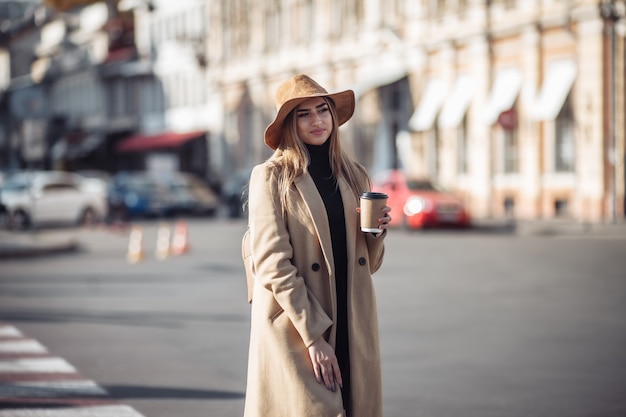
x,y
326,183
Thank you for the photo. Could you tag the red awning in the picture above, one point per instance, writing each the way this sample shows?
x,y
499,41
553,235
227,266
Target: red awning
x,y
160,141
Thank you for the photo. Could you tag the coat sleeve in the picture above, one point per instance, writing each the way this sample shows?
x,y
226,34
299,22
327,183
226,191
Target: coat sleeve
x,y
272,254
375,245
376,249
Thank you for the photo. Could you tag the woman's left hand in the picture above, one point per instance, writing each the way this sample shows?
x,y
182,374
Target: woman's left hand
x,y
383,222
325,365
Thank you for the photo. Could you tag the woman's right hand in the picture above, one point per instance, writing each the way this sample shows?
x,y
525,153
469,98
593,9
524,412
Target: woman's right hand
x,y
325,365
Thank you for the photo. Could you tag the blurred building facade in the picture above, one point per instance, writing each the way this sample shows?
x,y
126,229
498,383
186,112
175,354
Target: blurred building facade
x,y
79,95
517,105
67,87
172,38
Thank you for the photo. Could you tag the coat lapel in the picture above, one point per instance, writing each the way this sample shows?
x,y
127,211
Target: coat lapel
x,y
315,205
317,210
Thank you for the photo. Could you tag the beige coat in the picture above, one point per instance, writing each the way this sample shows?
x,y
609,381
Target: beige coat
x,y
294,303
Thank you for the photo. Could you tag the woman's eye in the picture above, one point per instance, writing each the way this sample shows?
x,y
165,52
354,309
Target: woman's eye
x,y
324,110
303,114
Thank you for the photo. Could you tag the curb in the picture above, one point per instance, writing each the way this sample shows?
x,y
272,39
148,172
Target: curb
x,y
20,252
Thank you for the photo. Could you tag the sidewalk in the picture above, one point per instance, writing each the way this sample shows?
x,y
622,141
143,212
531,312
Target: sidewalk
x,y
552,227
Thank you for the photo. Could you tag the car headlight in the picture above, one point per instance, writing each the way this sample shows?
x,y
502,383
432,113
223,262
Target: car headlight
x,y
415,205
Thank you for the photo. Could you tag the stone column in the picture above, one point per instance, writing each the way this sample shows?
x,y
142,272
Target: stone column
x,y
531,139
589,108
479,136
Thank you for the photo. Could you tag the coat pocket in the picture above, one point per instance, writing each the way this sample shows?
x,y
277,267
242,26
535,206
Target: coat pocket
x,y
276,315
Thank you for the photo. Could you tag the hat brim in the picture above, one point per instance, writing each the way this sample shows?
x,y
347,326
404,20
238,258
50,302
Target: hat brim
x,y
344,106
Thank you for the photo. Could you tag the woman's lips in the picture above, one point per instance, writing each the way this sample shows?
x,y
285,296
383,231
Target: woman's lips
x,y
318,132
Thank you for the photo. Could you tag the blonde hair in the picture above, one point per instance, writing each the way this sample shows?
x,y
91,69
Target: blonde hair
x,y
291,158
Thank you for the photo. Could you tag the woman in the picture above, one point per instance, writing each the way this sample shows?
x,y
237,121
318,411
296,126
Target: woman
x,y
314,347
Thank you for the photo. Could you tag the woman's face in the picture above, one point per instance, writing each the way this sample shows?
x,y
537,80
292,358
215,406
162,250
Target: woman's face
x,y
313,121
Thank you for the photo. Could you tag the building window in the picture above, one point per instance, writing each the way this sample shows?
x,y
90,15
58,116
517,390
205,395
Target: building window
x,y
358,12
272,26
351,18
561,208
120,97
437,8
509,206
462,7
564,139
509,4
295,29
396,100
175,90
135,97
434,153
338,10
510,151
240,21
309,10
227,41
393,13
462,147
366,132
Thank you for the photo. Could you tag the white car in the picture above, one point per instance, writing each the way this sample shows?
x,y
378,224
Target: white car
x,y
38,198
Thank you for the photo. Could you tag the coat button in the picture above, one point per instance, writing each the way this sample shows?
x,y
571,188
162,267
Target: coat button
x,y
315,267
362,261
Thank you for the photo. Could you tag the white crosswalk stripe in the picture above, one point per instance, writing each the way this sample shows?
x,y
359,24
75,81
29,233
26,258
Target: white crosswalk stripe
x,y
28,383
22,346
37,365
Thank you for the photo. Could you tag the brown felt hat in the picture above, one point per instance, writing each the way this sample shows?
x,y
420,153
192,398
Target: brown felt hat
x,y
298,89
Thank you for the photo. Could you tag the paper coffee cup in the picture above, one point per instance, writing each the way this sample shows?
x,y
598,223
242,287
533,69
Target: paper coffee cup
x,y
372,204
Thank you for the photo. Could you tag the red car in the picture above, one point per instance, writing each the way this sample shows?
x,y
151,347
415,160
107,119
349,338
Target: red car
x,y
418,203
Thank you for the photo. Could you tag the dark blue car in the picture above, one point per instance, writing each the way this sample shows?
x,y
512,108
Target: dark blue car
x,y
136,194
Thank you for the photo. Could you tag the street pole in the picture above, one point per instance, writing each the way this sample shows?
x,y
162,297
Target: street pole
x,y
490,135
613,155
612,11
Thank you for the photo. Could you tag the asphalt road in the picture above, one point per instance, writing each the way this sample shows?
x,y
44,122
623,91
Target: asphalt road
x,y
472,325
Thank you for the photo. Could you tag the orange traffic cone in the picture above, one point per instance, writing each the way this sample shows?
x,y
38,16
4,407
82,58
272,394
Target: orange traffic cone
x,y
163,242
135,245
180,244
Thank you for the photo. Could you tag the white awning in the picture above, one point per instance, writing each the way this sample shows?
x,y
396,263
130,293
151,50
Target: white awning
x,y
213,113
381,77
424,117
559,80
505,90
457,102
